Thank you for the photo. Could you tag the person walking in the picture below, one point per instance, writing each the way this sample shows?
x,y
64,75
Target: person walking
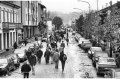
x,y
15,45
25,41
32,60
39,55
47,56
56,59
25,69
63,59
62,44
67,40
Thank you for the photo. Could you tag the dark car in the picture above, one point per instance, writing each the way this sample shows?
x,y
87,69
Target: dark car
x,y
6,65
86,45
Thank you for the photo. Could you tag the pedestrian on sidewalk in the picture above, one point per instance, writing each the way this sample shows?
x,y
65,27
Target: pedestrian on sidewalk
x,y
62,44
15,45
56,58
39,55
47,56
63,58
67,40
32,60
25,69
25,41
51,55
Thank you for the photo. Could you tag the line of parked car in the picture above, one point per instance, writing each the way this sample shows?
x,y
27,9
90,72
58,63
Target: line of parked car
x,y
12,62
101,61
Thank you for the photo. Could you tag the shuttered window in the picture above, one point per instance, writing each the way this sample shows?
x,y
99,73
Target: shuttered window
x,y
0,14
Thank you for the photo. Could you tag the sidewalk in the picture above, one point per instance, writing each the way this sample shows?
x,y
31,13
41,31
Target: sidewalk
x,y
11,50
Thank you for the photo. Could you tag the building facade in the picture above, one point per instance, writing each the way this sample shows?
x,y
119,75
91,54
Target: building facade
x,y
31,11
10,27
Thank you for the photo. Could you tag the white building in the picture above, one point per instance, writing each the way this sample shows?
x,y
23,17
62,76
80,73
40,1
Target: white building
x,y
9,26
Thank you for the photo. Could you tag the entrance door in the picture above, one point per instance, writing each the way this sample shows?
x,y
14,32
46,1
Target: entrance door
x,y
0,43
10,38
7,40
4,39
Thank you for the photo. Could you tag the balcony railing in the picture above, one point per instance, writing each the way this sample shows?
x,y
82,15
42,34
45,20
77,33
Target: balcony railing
x,y
7,25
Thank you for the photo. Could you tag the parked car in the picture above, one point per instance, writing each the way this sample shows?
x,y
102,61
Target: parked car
x,y
86,45
81,41
96,57
6,65
16,60
22,57
113,73
92,50
104,63
21,54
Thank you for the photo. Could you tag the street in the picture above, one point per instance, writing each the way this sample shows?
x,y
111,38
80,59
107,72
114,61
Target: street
x,y
76,65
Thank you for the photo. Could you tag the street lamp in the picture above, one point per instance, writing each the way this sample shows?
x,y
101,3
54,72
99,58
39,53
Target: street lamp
x,y
79,9
87,3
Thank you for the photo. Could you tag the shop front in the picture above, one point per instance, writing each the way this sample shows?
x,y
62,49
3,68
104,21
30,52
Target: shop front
x,y
10,34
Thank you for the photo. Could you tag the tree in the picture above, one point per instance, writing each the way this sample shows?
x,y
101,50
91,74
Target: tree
x,y
79,23
57,21
42,27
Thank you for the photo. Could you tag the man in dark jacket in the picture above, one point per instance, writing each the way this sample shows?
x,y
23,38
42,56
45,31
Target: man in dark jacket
x,y
62,44
39,55
32,60
47,56
25,69
15,45
62,60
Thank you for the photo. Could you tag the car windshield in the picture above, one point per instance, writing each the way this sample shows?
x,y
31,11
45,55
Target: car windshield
x,y
98,49
102,54
3,61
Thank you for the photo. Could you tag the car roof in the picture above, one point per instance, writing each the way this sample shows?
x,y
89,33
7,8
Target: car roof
x,y
95,47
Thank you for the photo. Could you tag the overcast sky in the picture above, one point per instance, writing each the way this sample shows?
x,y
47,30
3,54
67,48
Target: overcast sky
x,y
67,6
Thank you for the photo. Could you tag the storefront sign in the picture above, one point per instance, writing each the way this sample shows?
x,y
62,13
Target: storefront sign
x,y
12,25
5,25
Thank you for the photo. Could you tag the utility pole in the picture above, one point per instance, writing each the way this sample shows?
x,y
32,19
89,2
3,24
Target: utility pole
x,y
97,5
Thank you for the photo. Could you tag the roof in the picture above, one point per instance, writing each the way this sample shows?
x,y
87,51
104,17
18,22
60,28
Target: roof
x,y
10,4
42,6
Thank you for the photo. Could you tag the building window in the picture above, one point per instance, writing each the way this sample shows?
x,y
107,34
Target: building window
x,y
26,17
15,17
7,16
11,16
9,13
0,14
4,15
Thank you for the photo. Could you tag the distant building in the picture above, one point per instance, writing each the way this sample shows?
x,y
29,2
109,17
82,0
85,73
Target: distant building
x,y
9,24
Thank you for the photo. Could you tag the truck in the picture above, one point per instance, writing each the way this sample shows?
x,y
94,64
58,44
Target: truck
x,y
105,63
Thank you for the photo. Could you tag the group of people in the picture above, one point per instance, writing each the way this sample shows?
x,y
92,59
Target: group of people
x,y
35,54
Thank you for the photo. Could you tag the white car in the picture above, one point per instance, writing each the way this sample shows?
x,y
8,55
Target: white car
x,y
93,50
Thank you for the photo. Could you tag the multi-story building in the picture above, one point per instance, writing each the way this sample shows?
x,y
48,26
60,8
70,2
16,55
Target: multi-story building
x,y
31,16
10,26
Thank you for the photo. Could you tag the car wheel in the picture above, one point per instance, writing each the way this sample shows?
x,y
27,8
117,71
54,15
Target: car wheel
x,y
14,68
8,72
